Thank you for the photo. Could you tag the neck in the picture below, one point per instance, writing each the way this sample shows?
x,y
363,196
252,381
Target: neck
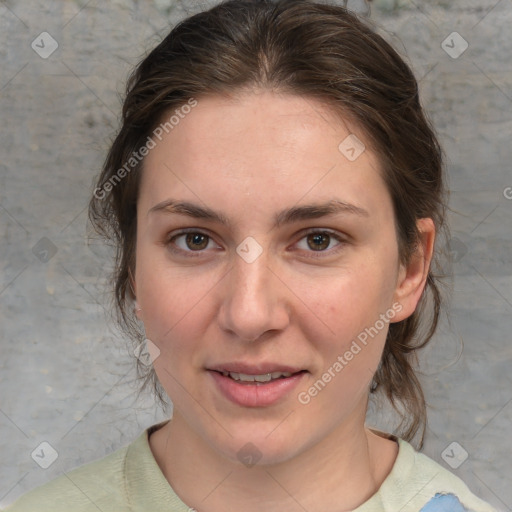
x,y
339,473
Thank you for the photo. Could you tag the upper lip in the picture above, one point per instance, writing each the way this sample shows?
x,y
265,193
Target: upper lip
x,y
254,369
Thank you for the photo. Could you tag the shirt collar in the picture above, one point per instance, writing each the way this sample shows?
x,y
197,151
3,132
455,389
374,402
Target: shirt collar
x,y
146,486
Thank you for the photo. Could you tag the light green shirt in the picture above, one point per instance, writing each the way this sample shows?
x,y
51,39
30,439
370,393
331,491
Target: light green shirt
x,y
130,480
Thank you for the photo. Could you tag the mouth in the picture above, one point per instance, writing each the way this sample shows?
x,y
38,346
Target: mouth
x,y
254,387
258,379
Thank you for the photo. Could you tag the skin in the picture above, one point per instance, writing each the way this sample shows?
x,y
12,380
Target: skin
x,y
249,157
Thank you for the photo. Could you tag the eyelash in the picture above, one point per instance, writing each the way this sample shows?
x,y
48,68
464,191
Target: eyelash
x,y
315,254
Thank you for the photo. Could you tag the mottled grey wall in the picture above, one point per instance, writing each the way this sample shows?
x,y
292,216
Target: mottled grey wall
x,y
67,379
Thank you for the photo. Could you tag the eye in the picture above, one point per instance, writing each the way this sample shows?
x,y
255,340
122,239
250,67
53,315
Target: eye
x,y
193,241
319,240
189,242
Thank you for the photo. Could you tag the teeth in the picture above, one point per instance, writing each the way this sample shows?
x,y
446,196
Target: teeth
x,y
266,377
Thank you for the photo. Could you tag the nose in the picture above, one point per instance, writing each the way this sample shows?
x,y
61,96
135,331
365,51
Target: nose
x,y
254,299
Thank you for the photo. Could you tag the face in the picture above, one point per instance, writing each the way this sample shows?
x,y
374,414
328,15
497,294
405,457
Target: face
x,y
255,276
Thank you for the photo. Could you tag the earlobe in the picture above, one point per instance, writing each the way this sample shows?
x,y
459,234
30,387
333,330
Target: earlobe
x,y
412,277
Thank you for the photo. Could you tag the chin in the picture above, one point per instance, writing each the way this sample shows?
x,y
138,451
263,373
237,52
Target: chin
x,y
258,450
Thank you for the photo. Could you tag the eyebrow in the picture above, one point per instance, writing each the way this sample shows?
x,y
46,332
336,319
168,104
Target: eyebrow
x,y
287,216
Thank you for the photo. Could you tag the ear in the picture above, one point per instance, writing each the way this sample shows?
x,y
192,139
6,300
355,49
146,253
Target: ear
x,y
412,278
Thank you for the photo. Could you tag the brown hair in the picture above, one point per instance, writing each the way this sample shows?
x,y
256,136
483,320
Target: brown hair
x,y
306,48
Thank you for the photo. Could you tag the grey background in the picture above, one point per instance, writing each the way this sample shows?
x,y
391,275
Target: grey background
x,y
67,377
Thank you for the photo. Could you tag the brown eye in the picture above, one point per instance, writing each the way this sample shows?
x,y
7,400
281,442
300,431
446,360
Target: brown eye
x,y
321,243
189,243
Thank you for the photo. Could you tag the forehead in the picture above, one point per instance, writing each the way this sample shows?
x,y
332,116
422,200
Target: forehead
x,y
253,117
261,146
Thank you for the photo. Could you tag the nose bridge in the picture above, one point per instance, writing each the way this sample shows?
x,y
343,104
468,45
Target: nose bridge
x,y
251,272
252,303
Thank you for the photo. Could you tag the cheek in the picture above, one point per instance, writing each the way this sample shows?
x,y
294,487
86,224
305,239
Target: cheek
x,y
350,354
347,301
346,322
171,305
174,317
172,298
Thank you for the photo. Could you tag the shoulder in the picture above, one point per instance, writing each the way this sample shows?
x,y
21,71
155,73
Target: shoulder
x,y
432,488
417,483
98,485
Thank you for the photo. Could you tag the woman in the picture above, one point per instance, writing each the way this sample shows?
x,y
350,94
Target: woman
x,y
275,193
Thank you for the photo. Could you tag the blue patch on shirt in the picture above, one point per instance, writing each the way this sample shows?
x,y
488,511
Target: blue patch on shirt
x,y
444,503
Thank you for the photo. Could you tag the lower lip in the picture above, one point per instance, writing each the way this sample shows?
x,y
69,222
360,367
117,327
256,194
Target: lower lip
x,y
252,394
